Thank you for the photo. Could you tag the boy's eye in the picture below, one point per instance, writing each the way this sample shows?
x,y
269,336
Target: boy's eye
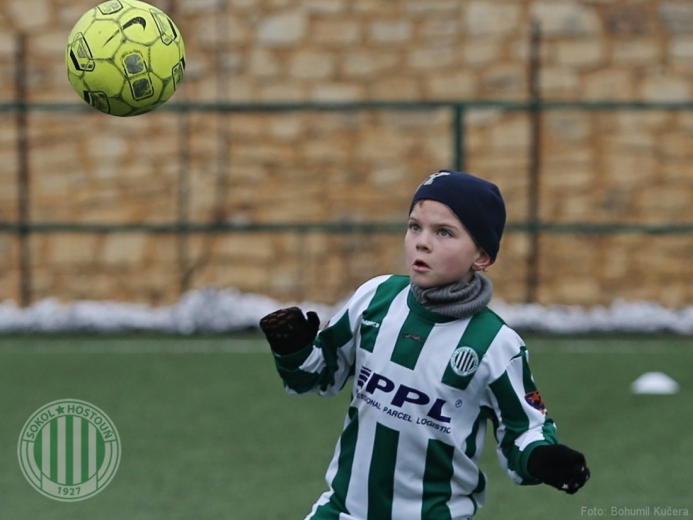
x,y
444,232
413,226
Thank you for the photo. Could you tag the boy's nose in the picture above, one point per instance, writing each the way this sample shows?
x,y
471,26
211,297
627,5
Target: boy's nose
x,y
422,244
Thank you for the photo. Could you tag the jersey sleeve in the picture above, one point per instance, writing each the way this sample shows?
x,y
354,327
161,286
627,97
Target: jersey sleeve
x,y
325,366
521,421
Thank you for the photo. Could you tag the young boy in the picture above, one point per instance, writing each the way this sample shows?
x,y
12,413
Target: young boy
x,y
431,365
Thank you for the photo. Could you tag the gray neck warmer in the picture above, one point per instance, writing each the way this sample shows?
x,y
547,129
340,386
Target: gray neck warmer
x,y
457,299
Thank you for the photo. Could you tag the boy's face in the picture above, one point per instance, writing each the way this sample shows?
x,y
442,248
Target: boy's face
x,y
438,248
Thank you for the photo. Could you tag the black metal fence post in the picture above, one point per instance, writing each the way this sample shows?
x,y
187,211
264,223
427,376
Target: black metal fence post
x,y
535,115
183,191
23,185
458,137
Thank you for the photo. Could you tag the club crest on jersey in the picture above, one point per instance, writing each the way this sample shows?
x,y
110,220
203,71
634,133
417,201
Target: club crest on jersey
x,y
464,361
535,401
433,177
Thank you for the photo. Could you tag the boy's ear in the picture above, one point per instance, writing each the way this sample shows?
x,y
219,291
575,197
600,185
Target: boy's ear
x,y
482,261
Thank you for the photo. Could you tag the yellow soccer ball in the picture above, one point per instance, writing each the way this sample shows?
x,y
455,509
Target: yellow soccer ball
x,y
125,57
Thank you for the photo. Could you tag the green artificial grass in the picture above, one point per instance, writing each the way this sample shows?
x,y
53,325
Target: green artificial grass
x,y
207,431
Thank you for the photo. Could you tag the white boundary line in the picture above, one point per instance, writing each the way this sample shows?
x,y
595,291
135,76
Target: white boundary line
x,y
249,346
607,346
126,347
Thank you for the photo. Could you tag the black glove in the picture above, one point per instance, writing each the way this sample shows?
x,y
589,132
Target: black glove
x,y
559,466
288,330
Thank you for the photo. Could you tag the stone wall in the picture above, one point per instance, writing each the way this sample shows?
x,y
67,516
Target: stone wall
x,y
625,166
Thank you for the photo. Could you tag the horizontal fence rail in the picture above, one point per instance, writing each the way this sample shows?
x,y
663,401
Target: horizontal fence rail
x,y
336,228
368,105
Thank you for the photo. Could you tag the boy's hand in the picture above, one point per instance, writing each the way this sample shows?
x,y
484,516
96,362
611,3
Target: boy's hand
x,y
288,330
559,466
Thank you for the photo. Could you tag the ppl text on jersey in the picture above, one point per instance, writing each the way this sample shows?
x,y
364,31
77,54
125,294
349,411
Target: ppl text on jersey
x,y
370,384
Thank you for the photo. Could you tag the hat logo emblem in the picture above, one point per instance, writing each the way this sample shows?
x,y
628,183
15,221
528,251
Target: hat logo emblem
x,y
433,177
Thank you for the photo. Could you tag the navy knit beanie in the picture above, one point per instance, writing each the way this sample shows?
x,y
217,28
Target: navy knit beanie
x,y
477,203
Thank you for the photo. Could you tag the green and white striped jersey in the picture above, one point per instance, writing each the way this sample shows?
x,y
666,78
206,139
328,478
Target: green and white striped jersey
x,y
424,387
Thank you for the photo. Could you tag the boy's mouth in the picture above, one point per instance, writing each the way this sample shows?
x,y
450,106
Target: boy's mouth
x,y
420,265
